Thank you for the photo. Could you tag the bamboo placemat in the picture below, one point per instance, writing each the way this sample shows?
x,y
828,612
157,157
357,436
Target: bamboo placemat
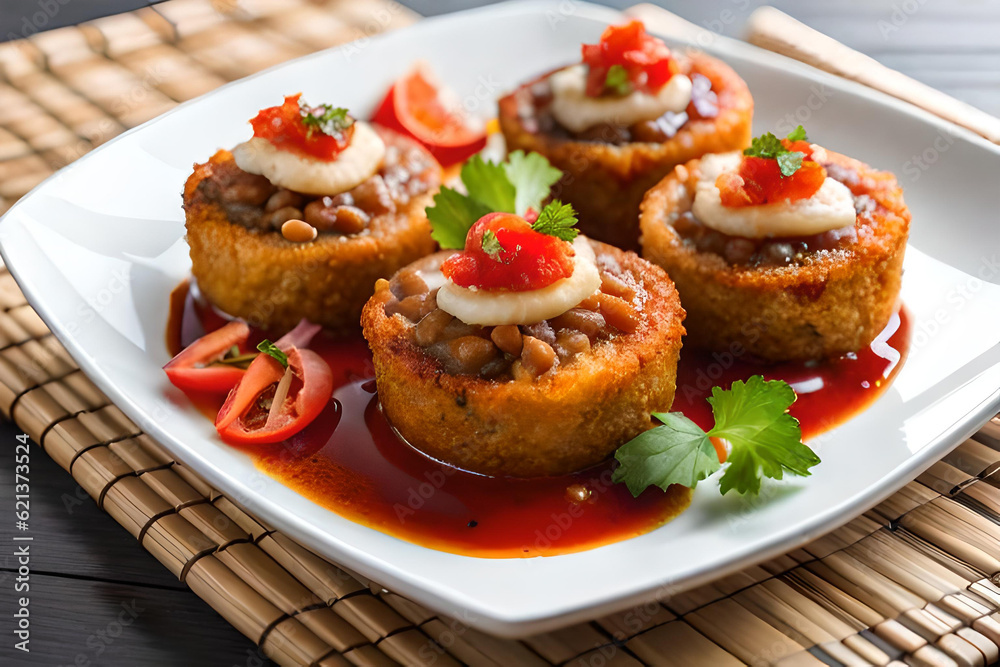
x,y
914,579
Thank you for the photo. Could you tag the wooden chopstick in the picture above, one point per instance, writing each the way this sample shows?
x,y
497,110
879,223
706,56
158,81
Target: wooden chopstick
x,y
775,31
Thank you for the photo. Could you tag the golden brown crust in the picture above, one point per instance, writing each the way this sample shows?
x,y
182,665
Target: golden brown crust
x,y
273,283
566,420
837,302
605,182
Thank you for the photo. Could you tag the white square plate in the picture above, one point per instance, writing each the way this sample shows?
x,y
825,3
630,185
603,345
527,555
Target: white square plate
x,y
98,247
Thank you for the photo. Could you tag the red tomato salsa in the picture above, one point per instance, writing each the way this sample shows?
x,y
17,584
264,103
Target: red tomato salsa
x,y
760,181
285,127
646,60
503,252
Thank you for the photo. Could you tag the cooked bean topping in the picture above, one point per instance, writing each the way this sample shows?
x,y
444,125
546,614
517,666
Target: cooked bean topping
x,y
465,355
518,352
541,331
619,313
570,343
410,283
412,307
537,356
508,338
277,218
615,286
298,231
593,302
283,198
253,202
431,328
373,196
588,322
350,220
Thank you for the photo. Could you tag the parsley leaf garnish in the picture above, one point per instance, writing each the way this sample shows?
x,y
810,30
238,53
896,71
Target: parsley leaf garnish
x,y
770,147
487,182
514,186
532,177
798,134
271,350
617,81
789,162
766,440
558,220
491,244
452,215
678,452
752,416
325,118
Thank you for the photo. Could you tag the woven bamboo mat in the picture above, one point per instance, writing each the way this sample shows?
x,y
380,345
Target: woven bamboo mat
x,y
913,580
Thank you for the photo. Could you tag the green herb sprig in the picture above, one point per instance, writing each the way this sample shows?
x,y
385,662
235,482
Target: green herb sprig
x,y
491,244
752,416
558,220
769,146
325,118
521,183
616,81
271,350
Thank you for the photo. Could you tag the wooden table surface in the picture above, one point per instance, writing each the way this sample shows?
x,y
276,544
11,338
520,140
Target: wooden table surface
x,y
97,598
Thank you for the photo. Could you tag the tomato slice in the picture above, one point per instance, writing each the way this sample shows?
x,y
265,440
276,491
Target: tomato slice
x,y
272,403
418,105
192,369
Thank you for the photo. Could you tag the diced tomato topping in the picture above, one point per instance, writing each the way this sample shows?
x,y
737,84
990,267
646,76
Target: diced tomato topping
x,y
646,59
266,408
760,181
283,127
195,367
528,260
416,106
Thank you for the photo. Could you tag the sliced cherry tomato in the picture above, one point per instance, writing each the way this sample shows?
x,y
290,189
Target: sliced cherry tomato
x,y
526,259
283,126
646,59
272,403
417,105
193,370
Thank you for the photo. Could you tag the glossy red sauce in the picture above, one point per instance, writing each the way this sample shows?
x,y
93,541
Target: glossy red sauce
x,y
352,462
829,392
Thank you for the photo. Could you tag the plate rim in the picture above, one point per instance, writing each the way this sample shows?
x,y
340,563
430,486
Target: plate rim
x,y
511,623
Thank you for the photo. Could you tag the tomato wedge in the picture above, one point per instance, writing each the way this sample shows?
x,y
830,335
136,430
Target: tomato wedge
x,y
272,403
192,369
417,105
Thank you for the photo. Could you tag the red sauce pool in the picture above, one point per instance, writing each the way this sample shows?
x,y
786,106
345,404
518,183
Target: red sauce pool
x,y
351,462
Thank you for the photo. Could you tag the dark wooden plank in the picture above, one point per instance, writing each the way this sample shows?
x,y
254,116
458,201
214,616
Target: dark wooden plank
x,y
72,536
86,572
88,623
